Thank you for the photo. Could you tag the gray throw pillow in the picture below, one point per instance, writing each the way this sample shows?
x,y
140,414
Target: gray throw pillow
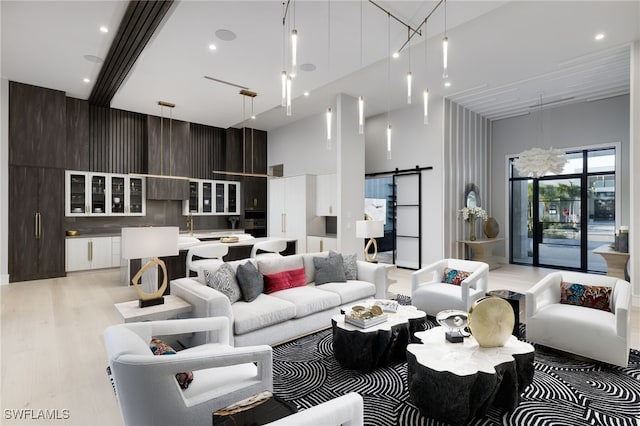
x,y
224,280
350,266
329,269
250,280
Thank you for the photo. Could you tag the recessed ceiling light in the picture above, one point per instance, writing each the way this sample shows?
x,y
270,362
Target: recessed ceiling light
x,y
599,36
212,46
86,80
447,84
308,67
306,93
93,58
253,117
226,35
395,55
104,29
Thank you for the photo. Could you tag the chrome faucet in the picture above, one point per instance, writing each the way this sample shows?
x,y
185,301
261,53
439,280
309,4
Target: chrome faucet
x,y
190,224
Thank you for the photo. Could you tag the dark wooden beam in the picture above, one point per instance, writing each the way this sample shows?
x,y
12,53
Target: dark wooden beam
x,y
140,21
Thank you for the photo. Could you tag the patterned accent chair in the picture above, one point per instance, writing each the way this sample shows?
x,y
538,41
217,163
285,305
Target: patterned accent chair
x,y
575,328
432,291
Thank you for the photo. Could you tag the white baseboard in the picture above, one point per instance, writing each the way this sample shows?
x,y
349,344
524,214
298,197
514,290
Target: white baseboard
x,y
4,279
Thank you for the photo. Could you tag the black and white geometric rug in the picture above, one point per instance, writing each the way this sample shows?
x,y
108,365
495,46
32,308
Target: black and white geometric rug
x,y
564,391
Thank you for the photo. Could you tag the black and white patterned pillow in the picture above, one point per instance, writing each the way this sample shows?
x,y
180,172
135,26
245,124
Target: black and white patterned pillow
x,y
224,280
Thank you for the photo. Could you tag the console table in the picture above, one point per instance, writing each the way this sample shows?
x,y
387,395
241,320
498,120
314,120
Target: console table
x,y
482,250
616,260
454,382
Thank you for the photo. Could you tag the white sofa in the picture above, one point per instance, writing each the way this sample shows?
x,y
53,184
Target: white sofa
x,y
593,333
286,314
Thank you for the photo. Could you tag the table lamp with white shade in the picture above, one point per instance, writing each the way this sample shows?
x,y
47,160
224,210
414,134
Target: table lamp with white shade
x,y
371,229
149,242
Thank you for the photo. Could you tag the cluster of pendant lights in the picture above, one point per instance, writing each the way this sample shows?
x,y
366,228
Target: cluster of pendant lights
x,y
288,76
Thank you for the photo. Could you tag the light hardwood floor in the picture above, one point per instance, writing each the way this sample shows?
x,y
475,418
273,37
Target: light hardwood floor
x,y
53,355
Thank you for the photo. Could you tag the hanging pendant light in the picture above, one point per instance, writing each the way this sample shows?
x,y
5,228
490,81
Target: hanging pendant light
x,y
294,52
288,95
445,46
425,93
329,114
284,88
409,77
360,115
388,141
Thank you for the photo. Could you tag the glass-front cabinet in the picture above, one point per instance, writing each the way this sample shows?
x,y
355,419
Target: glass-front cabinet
x,y
103,194
212,197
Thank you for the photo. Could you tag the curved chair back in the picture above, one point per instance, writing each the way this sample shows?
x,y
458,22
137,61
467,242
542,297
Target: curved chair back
x,y
207,255
273,246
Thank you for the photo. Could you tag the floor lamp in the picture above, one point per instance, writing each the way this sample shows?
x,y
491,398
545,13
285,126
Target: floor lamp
x,y
371,229
149,243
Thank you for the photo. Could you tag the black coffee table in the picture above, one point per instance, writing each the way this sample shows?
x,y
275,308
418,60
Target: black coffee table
x,y
516,300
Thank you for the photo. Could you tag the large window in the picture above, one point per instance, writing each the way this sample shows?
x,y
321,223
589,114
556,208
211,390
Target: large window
x,y
557,220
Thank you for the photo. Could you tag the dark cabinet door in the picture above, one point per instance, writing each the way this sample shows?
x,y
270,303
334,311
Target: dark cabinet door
x,y
36,236
255,149
233,151
255,193
37,126
51,209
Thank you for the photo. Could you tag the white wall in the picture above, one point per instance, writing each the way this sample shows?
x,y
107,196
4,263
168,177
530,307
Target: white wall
x,y
572,126
302,149
4,181
413,144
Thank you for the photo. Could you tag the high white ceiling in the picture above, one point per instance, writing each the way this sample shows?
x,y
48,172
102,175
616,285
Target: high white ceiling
x,y
505,57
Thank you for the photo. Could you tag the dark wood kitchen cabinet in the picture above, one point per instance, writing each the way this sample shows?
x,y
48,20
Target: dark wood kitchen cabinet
x,y
37,126
167,155
255,151
255,193
36,228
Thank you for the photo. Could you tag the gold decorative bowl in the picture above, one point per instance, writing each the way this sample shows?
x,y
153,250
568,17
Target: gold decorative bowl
x,y
72,233
231,239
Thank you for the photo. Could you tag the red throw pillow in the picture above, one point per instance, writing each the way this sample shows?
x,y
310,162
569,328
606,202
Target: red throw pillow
x,y
276,282
297,277
283,280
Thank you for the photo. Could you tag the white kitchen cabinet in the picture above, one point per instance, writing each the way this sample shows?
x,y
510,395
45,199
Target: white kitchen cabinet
x,y
326,195
212,197
88,253
291,208
103,194
317,244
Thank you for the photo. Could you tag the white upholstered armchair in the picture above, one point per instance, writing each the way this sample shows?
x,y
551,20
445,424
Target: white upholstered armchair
x,y
345,410
589,332
430,294
146,387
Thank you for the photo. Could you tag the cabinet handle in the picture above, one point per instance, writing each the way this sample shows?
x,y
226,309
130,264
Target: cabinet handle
x,y
321,245
35,225
331,209
39,225
90,251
